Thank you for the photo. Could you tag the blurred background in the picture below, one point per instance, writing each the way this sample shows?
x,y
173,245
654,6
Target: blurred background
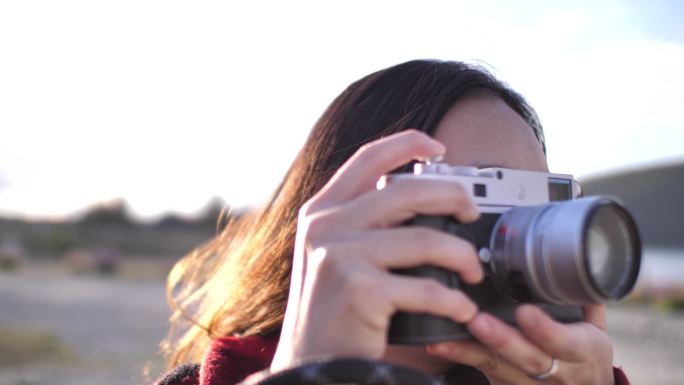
x,y
127,127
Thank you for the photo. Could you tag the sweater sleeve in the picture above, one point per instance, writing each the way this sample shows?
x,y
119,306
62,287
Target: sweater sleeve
x,y
230,360
227,361
181,375
620,377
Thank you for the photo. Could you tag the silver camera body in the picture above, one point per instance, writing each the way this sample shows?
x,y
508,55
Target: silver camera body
x,y
496,190
538,241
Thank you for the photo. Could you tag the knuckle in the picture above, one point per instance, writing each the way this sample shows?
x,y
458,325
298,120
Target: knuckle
x,y
430,289
424,238
490,364
318,225
454,251
367,151
306,209
359,297
375,155
329,260
373,310
536,365
409,190
358,287
432,244
500,340
420,193
546,336
416,193
413,136
448,243
315,221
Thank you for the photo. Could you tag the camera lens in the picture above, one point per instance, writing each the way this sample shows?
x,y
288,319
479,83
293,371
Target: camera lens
x,y
609,250
580,251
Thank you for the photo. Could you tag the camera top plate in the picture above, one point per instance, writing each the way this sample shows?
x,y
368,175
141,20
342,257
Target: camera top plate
x,y
497,189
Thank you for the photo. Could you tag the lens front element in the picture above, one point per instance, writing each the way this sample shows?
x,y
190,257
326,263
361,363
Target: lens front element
x,y
610,250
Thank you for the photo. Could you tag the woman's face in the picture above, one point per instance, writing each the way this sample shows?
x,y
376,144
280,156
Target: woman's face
x,y
484,131
480,131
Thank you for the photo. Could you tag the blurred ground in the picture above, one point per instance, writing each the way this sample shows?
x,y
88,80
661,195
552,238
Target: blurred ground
x,y
108,328
648,345
105,331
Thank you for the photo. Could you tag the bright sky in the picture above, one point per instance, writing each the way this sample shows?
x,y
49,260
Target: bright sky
x,y
170,103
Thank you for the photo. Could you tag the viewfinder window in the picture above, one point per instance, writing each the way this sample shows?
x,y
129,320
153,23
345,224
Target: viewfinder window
x,y
560,189
480,190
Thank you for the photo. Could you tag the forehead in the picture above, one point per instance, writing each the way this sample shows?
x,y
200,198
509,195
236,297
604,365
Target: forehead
x,y
484,131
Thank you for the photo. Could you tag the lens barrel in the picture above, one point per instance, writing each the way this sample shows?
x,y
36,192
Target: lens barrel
x,y
579,251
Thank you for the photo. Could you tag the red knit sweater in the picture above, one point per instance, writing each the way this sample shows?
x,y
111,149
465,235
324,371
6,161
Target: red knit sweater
x,y
230,360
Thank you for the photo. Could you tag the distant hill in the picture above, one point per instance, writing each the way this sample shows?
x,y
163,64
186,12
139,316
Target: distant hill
x,y
110,225
653,194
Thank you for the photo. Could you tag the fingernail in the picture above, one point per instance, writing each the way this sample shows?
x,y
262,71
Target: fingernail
x,y
480,276
438,349
480,326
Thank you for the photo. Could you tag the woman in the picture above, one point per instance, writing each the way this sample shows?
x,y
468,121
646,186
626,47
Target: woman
x,y
330,238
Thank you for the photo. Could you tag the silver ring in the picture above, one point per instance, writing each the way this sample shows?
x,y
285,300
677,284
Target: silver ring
x,y
552,370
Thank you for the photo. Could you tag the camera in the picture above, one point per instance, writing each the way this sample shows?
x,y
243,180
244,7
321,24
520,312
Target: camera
x,y
539,242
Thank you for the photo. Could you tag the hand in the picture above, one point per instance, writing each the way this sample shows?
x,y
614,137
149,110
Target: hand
x,y
508,356
341,292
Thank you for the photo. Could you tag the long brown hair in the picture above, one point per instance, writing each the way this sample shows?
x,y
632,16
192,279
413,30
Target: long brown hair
x,y
237,283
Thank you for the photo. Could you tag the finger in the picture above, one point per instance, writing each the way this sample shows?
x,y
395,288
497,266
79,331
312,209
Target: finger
x,y
406,198
471,353
596,315
404,247
509,343
566,342
425,295
474,354
361,172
